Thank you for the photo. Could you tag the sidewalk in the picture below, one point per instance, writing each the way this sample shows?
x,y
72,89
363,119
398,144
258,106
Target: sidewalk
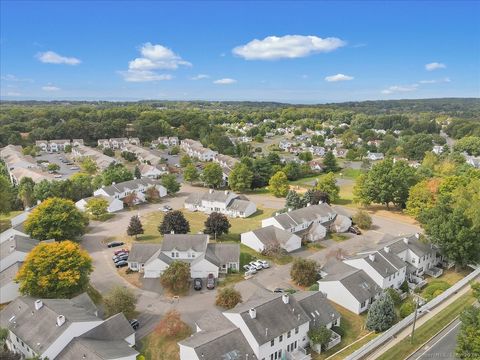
x,y
420,321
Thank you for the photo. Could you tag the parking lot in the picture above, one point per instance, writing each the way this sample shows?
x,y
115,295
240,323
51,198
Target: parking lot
x,y
55,158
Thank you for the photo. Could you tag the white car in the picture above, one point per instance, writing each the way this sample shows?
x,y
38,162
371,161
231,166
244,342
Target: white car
x,y
249,268
256,265
264,264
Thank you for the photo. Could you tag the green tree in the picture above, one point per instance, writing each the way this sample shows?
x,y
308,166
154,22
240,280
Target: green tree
x,y
468,144
212,175
305,156
304,272
422,196
53,167
278,184
80,185
135,227
262,171
292,170
97,207
216,224
175,150
320,335
176,278
174,221
116,173
170,183
109,152
240,178
328,185
381,315
468,339
185,160
315,197
56,218
228,298
293,200
407,308
6,195
89,166
129,156
120,300
330,162
67,149
26,191
55,270
190,173
362,219
136,173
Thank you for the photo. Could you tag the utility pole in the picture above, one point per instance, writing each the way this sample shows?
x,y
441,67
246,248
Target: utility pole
x,y
417,300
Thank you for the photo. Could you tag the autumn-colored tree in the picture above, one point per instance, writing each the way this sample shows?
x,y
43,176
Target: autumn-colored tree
x,y
130,199
304,271
55,270
228,297
176,277
56,218
278,184
97,207
172,325
152,194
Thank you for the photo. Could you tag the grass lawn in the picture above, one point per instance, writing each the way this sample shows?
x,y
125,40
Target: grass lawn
x,y
5,219
353,328
429,329
248,254
346,195
159,347
451,276
350,173
338,237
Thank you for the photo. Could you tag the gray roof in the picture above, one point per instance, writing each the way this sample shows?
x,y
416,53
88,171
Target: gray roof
x,y
357,282
317,307
115,327
239,205
335,266
19,243
273,316
37,328
411,242
303,215
226,253
142,252
131,184
194,198
9,274
184,242
92,349
272,235
385,264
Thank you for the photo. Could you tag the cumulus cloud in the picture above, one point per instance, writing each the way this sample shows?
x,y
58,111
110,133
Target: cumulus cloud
x,y
288,46
50,88
338,77
400,89
200,77
435,81
51,57
434,66
144,76
225,81
153,57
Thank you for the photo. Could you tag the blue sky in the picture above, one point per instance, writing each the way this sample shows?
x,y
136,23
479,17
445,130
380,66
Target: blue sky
x,y
304,52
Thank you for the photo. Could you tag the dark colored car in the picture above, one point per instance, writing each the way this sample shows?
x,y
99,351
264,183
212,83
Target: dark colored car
x,y
118,258
354,230
115,244
197,284
210,282
135,324
121,263
278,290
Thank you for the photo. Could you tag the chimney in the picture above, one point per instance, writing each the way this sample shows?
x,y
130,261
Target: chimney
x,y
38,304
371,257
387,249
285,298
253,313
266,332
417,235
12,248
308,204
210,191
226,192
60,320
405,240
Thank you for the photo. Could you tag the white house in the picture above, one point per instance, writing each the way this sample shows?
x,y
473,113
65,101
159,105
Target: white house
x,y
262,238
375,156
151,171
273,326
42,144
62,329
315,166
114,204
225,202
20,166
195,149
204,258
58,145
437,149
137,186
103,161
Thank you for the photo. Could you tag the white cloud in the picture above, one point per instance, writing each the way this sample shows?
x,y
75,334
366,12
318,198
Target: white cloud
x,y
338,77
11,77
13,93
200,77
400,88
435,81
225,81
434,66
50,88
143,76
51,57
288,46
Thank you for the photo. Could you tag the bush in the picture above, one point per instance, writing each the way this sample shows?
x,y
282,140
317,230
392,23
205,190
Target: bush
x,y
435,288
339,330
362,219
228,298
176,277
407,308
404,286
172,325
314,287
120,300
395,296
304,271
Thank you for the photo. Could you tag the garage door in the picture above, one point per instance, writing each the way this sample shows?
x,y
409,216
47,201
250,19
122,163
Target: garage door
x,y
152,273
198,274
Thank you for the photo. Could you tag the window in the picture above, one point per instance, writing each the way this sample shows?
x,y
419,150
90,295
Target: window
x,y
280,338
272,342
173,254
271,357
289,333
296,330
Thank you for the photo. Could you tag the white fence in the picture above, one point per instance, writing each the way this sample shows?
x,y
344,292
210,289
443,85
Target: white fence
x,y
395,329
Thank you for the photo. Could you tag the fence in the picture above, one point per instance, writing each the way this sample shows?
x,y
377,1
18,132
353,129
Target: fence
x,y
395,329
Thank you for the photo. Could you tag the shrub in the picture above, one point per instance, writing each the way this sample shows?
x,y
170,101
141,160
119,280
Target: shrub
x,y
339,330
407,308
362,219
228,298
435,288
404,286
172,325
395,296
120,299
304,272
314,287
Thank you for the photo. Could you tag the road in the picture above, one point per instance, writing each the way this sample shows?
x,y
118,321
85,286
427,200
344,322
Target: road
x,y
441,346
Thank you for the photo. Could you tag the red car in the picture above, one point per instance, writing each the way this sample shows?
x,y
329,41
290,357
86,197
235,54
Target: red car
x,y
116,252
210,282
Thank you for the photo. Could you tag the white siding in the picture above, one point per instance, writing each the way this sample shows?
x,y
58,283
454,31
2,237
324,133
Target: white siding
x,y
337,293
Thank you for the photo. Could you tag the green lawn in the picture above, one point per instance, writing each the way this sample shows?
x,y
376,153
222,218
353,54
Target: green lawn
x,y
429,329
5,219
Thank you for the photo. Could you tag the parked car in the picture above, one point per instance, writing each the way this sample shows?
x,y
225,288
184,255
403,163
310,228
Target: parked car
x,y
197,284
117,252
74,168
210,282
121,263
354,230
166,208
117,258
250,268
264,263
278,290
115,244
135,324
57,176
255,265
249,272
